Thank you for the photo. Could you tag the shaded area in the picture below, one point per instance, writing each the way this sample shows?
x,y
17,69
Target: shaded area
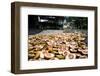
x,y
38,23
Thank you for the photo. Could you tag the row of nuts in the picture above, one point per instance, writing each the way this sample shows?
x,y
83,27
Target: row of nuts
x,y
57,46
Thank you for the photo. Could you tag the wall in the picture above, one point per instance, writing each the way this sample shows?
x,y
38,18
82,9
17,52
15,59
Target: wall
x,y
5,33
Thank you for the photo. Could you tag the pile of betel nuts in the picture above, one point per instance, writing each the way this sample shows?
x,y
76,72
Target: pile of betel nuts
x,y
60,46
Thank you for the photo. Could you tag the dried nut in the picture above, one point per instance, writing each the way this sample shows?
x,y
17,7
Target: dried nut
x,y
73,43
80,50
30,48
55,48
73,50
41,55
77,54
56,58
37,55
40,46
82,57
49,43
81,38
84,52
29,41
71,56
60,52
55,51
31,51
49,47
83,46
52,58
29,45
31,55
73,46
48,55
60,56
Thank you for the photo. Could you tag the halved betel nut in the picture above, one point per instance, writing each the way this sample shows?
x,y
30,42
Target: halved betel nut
x,y
80,50
77,55
31,55
56,58
50,47
60,56
29,41
37,55
41,55
48,55
84,51
73,50
30,48
60,51
71,56
30,45
66,52
54,51
31,51
82,57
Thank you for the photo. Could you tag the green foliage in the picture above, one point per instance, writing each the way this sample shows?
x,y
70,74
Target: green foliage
x,y
78,22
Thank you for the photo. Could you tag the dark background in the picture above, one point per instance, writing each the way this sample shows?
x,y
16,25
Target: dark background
x,y
36,23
